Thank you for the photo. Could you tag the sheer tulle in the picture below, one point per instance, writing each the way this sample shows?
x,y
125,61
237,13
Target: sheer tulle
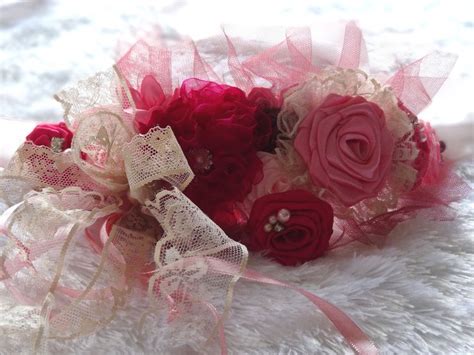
x,y
289,63
415,84
249,63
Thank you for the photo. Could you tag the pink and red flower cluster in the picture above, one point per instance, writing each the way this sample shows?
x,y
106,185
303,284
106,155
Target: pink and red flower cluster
x,y
220,130
229,140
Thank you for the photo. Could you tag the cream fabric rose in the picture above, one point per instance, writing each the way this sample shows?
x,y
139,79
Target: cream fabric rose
x,y
274,180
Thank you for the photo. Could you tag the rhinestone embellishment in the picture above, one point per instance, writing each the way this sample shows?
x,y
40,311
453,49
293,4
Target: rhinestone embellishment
x,y
57,144
200,160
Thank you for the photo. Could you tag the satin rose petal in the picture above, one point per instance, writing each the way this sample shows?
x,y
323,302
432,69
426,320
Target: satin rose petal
x,y
347,147
305,236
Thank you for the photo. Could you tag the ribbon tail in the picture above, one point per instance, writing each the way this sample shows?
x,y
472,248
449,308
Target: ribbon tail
x,y
219,327
355,336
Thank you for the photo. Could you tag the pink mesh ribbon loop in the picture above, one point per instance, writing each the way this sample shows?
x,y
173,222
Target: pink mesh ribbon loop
x,y
285,64
415,84
282,65
354,52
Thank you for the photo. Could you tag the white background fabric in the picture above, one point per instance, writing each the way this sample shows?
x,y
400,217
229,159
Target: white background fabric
x,y
412,296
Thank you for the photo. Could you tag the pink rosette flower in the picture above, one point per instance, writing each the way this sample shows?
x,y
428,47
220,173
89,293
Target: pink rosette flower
x,y
347,147
150,100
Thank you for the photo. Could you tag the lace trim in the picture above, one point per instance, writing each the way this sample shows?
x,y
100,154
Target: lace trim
x,y
155,156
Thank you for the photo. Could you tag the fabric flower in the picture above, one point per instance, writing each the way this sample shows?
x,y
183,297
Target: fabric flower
x,y
274,180
428,162
220,130
149,98
429,159
267,112
347,147
292,227
231,219
263,98
54,135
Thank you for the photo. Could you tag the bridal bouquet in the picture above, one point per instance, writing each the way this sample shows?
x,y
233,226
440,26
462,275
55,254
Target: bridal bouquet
x,y
174,163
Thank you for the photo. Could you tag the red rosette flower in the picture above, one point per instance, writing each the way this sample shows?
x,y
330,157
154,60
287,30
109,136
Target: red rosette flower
x,y
429,159
220,130
53,135
291,227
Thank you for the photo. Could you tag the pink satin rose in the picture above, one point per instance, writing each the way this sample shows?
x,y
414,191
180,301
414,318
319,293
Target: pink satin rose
x,y
347,147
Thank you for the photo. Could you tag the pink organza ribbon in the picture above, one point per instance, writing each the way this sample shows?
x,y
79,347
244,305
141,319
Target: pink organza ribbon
x,y
355,336
351,332
285,64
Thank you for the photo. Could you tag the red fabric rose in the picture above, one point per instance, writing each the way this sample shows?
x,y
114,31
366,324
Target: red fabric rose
x,y
199,98
263,98
292,227
347,147
428,162
44,133
220,131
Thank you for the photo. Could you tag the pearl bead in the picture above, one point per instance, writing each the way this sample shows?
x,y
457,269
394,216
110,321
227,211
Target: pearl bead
x,y
268,227
278,228
283,215
272,219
